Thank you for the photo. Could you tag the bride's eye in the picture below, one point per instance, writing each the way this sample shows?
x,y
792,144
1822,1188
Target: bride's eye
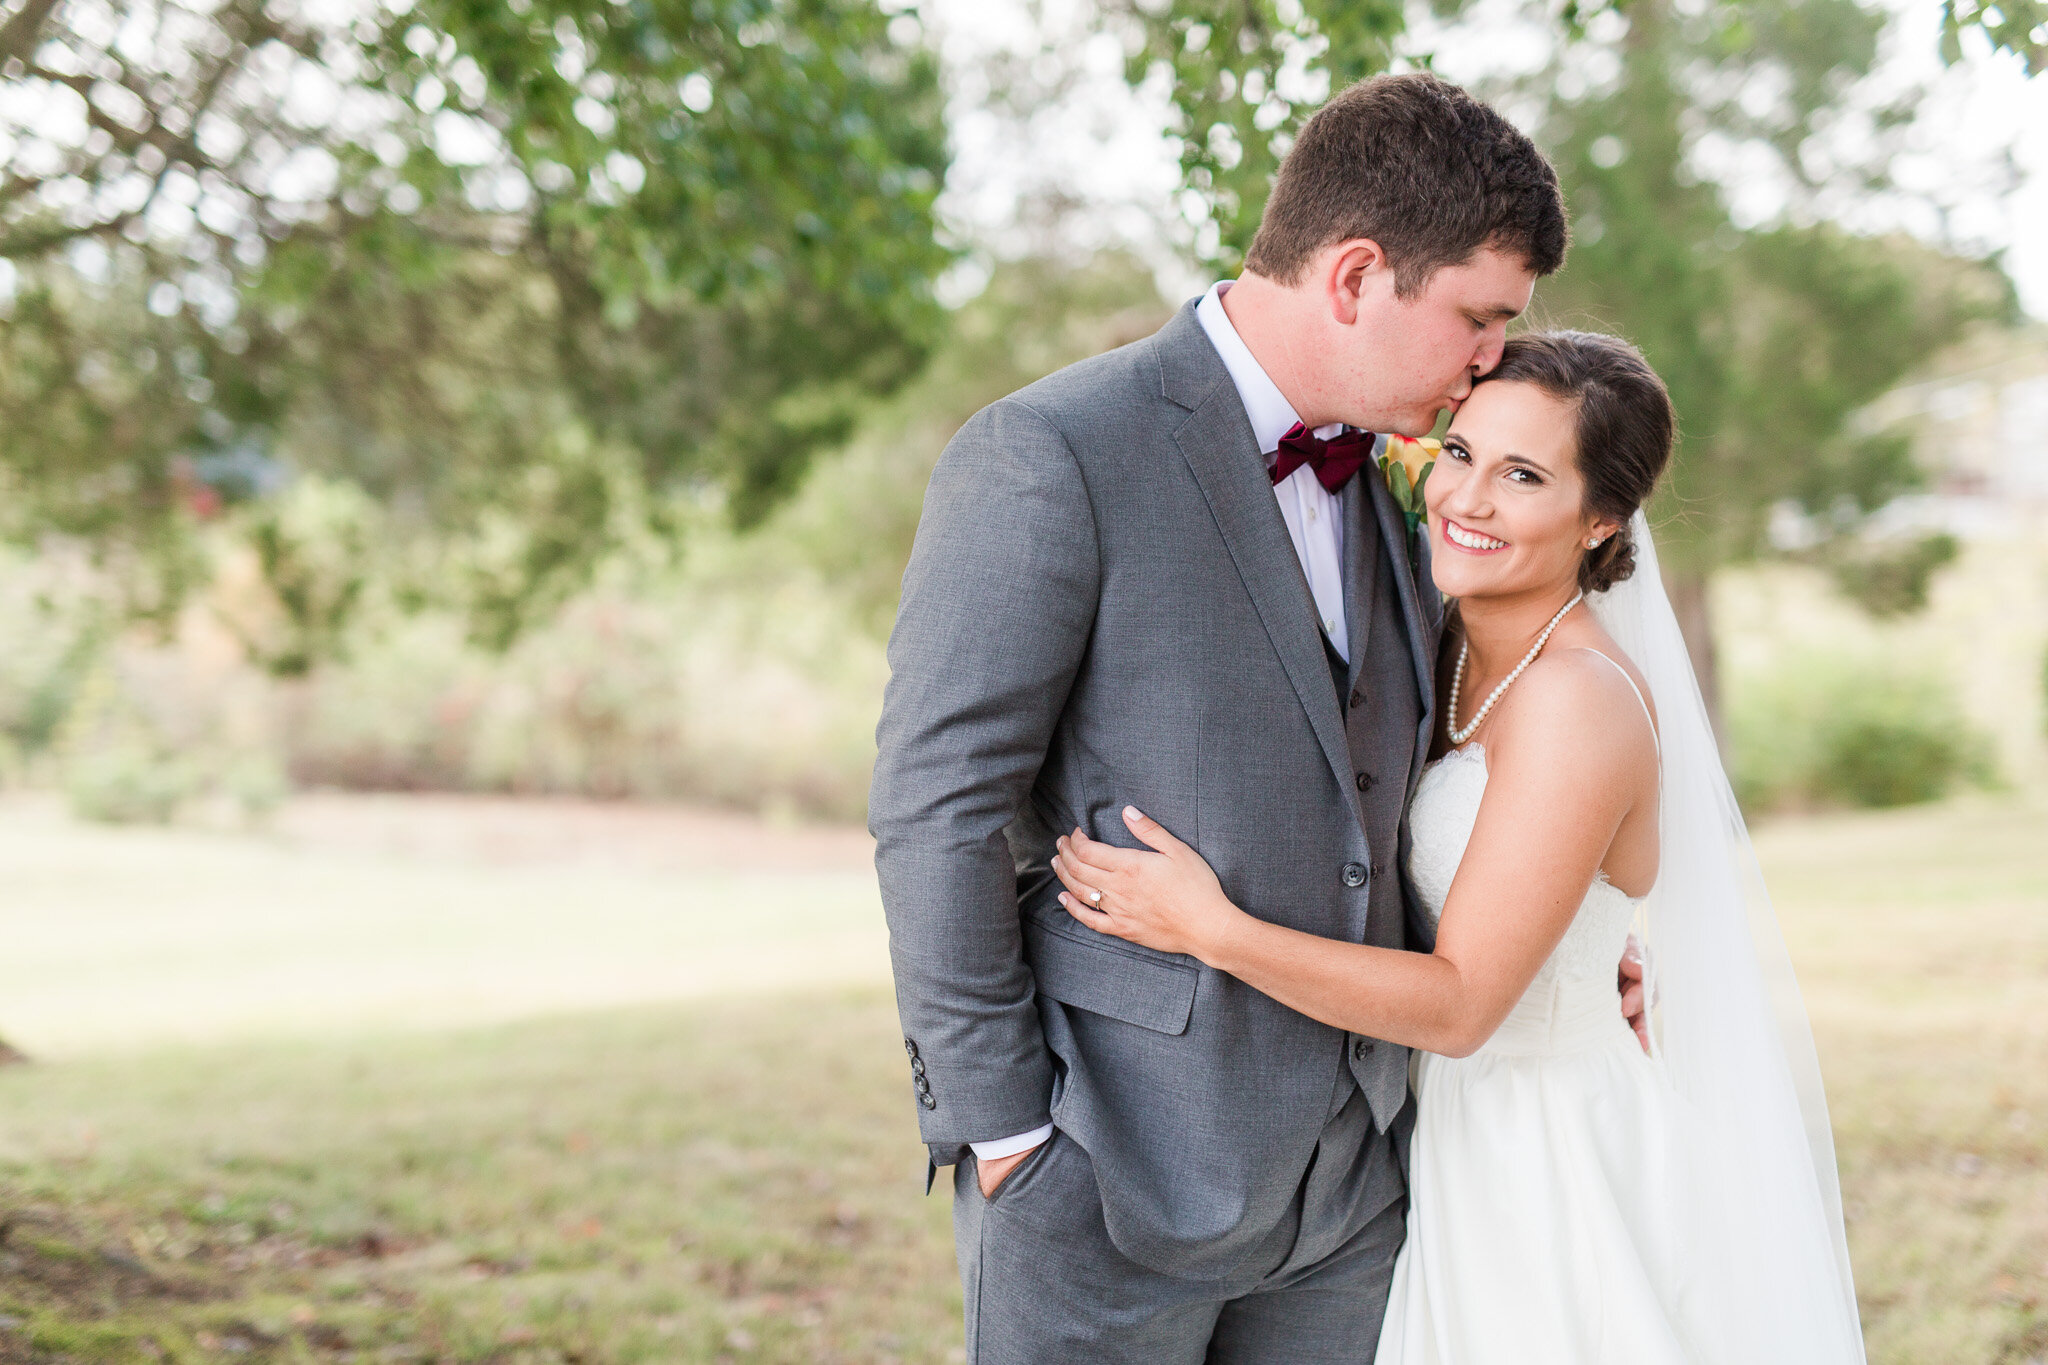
x,y
1457,452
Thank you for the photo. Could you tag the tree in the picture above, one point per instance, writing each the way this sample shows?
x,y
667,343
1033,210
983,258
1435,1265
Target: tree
x,y
2016,26
1770,337
506,267
1244,74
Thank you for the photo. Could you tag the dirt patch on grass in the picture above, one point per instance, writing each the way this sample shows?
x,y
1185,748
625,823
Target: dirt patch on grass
x,y
64,1292
72,1293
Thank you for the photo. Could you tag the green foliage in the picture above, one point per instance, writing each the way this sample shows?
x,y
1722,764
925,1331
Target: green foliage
x,y
118,767
1243,75
128,783
855,519
661,688
130,726
1893,578
2016,26
1896,759
1769,338
742,668
745,671
55,621
693,235
312,547
1825,730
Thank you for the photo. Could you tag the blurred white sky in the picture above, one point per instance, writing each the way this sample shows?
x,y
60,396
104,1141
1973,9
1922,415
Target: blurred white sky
x,y
1088,137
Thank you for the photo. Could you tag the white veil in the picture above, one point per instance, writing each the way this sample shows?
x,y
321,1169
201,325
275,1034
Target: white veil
x,y
1755,1188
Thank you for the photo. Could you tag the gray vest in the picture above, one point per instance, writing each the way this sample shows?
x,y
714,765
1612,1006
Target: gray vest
x,y
1382,706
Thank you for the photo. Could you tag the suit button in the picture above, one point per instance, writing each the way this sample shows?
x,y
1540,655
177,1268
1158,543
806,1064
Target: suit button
x,y
1360,1049
927,1101
1365,782
910,1047
1354,874
1358,696
917,1067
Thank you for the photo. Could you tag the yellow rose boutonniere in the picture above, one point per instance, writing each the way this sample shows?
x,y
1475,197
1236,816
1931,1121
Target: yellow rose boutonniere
x,y
1406,466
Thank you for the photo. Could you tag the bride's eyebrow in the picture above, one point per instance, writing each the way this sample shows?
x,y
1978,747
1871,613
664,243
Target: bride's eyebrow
x,y
1526,463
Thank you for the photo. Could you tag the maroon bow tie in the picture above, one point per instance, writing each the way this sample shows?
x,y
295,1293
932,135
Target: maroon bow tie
x,y
1334,460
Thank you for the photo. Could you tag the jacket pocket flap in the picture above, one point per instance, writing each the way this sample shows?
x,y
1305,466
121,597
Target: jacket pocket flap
x,y
1103,977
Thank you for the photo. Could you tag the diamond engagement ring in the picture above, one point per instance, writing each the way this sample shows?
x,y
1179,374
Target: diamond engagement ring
x,y
1095,898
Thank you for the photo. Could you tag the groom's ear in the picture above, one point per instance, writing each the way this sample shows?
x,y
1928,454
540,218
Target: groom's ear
x,y
1353,273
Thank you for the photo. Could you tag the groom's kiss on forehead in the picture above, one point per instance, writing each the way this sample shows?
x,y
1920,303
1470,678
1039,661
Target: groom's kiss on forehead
x,y
1380,285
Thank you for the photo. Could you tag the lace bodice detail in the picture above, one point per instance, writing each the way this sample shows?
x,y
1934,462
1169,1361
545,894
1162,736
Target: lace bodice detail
x,y
1577,981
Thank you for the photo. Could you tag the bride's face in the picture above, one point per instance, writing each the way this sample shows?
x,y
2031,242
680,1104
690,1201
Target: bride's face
x,y
1506,500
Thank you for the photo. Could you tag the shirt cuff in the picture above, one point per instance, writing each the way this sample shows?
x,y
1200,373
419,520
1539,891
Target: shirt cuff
x,y
1010,1146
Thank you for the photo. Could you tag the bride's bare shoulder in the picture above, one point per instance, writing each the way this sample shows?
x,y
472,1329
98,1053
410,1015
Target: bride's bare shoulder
x,y
1578,703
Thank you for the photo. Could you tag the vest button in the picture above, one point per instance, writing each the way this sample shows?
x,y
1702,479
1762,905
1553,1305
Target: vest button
x,y
1358,696
1354,874
1360,1048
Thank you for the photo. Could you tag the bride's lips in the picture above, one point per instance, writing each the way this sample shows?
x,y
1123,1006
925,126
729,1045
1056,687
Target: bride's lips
x,y
1470,541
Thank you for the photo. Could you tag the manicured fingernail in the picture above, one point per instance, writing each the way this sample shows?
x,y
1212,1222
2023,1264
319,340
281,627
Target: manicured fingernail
x,y
1133,813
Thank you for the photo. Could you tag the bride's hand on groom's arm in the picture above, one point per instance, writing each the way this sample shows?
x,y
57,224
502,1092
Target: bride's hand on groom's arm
x,y
1169,899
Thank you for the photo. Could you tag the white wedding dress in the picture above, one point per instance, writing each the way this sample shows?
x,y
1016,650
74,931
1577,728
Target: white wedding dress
x,y
1539,1230
1573,1201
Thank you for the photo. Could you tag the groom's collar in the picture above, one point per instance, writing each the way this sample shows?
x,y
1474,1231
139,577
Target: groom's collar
x,y
1272,416
1189,381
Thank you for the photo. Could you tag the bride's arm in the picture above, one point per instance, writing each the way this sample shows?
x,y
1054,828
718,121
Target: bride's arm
x,y
1561,778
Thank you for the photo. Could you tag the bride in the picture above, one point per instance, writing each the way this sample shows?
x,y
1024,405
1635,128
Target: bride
x,y
1575,1196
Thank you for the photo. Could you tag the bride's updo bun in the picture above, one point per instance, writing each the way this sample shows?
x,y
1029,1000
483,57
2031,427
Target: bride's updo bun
x,y
1625,429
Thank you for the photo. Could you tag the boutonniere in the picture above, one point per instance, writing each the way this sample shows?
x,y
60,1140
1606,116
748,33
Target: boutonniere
x,y
1406,467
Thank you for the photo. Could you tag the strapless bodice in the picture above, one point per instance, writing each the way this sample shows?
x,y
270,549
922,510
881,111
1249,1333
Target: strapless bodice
x,y
1572,1003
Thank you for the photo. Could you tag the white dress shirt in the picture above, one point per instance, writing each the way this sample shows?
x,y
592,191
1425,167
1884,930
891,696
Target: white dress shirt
x,y
1314,524
1312,512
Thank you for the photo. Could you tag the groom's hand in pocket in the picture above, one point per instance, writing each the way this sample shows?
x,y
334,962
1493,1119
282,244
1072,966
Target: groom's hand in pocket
x,y
990,1174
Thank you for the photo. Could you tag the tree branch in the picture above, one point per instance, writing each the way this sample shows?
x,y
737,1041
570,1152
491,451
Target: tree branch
x,y
24,28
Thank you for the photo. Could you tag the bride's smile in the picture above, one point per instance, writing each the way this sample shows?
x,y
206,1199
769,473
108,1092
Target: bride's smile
x,y
1471,540
1507,502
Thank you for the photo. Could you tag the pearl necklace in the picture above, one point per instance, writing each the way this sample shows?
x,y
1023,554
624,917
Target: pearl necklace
x,y
1458,677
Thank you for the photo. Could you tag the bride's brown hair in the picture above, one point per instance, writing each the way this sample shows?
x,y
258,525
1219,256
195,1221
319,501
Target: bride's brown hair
x,y
1625,428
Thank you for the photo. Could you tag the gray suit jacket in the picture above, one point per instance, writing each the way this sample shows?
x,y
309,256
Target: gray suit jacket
x,y
1103,607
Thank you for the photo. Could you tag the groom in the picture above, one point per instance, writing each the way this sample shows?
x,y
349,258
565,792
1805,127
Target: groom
x,y
1169,577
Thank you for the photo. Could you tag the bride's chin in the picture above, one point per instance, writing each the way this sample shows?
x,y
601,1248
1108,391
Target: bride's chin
x,y
1465,585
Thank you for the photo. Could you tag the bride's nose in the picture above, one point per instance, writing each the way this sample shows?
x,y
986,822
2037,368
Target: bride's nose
x,y
1465,498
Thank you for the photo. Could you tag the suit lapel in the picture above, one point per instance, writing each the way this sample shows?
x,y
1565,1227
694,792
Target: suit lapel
x,y
1217,442
1421,639
1362,570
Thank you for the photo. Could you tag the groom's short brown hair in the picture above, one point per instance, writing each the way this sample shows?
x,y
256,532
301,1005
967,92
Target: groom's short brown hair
x,y
1422,168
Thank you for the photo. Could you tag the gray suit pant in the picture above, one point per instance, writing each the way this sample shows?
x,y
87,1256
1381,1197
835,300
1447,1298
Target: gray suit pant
x,y
1046,1286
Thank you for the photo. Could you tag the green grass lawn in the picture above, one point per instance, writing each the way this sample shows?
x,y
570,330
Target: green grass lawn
x,y
739,1181
286,1109
1921,939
